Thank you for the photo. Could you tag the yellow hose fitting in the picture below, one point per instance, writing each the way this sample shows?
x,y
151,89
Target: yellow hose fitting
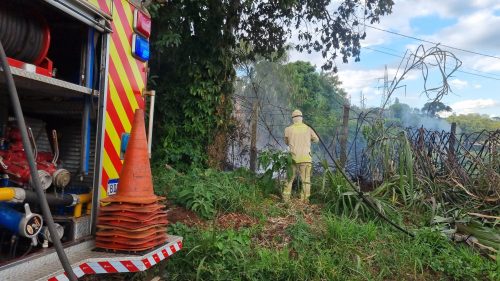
x,y
7,194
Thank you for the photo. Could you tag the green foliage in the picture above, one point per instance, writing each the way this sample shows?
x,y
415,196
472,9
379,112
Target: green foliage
x,y
399,109
434,107
192,70
457,262
209,255
209,192
330,249
470,123
194,47
274,162
351,246
318,95
399,187
343,201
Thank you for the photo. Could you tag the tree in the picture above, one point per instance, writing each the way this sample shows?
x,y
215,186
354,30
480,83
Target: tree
x,y
472,122
434,107
193,58
399,110
318,95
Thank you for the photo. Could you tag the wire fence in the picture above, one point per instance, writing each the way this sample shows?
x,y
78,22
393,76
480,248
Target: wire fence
x,y
466,159
463,158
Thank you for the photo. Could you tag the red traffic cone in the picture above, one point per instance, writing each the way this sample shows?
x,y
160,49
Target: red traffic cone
x,y
136,183
133,221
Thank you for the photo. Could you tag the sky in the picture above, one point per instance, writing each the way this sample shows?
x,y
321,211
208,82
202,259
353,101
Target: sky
x,y
471,25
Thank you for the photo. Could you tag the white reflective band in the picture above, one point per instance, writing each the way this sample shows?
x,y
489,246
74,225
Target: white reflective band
x,y
78,272
139,264
169,252
62,277
160,254
119,266
96,267
151,261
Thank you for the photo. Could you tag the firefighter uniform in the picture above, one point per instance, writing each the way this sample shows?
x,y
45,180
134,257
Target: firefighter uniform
x,y
298,137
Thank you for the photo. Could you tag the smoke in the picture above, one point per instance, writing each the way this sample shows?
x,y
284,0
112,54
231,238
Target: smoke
x,y
415,120
263,86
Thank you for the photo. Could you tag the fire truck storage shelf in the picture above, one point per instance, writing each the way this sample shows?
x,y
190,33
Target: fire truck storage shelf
x,y
85,261
41,85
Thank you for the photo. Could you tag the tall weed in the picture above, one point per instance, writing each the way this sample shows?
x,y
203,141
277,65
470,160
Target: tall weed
x,y
342,200
207,192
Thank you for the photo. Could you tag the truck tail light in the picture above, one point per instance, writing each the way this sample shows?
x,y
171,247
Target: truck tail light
x,y
142,23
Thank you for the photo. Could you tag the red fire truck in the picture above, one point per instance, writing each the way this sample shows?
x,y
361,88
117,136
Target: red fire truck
x,y
80,70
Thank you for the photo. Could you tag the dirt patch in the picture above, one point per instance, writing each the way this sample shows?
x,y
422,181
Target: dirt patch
x,y
235,220
274,233
183,215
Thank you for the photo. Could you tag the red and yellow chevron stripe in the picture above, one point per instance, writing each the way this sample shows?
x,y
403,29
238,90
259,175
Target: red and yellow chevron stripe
x,y
108,3
126,81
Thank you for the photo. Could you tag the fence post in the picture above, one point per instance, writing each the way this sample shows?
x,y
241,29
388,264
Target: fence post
x,y
452,141
345,132
253,140
420,139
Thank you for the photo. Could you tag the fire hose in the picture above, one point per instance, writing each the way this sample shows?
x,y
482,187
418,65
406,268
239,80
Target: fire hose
x,y
33,168
20,195
358,192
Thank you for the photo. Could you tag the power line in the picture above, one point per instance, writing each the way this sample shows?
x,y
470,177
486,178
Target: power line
x,y
430,42
461,71
398,56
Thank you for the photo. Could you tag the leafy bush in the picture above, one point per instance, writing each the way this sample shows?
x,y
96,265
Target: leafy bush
x,y
341,199
274,163
207,192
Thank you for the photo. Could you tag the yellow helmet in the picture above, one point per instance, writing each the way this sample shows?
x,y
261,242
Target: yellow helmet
x,y
296,113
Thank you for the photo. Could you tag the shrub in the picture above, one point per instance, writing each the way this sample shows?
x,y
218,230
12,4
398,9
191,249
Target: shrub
x,y
208,192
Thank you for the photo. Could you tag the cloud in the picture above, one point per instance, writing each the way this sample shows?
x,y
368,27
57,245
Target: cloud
x,y
485,64
475,31
473,106
478,86
458,84
369,82
315,58
403,11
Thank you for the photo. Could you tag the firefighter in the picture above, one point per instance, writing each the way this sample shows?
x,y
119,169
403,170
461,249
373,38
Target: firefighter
x,y
298,137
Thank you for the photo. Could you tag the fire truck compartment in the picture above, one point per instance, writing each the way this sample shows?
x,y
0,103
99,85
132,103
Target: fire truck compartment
x,y
61,110
37,85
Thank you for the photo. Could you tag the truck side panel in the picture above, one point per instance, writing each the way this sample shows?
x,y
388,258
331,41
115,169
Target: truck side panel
x,y
126,81
107,4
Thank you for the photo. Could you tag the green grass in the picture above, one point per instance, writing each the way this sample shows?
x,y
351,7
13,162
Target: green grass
x,y
331,249
208,192
313,246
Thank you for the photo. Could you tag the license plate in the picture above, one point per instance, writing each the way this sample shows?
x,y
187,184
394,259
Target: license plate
x,y
112,186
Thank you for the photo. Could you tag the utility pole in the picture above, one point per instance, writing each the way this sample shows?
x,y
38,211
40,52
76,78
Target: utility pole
x,y
343,139
253,140
362,100
385,88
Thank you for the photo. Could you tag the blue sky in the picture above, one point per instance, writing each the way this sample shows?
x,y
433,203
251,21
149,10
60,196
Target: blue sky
x,y
466,24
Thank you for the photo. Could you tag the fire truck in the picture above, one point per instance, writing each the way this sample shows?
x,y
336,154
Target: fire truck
x,y
78,71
